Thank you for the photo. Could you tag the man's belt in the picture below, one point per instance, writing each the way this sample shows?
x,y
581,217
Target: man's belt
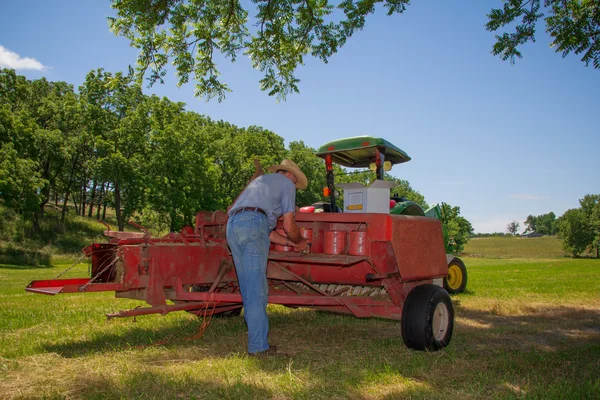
x,y
241,210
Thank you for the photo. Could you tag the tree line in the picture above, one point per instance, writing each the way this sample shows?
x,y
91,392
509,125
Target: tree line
x,y
579,228
109,145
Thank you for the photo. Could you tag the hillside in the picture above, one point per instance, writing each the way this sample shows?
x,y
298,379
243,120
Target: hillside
x,y
19,244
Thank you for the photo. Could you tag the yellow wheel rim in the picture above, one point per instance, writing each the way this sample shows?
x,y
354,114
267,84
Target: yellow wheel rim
x,y
455,277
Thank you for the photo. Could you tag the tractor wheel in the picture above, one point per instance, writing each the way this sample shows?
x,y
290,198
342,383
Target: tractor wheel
x,y
427,318
456,281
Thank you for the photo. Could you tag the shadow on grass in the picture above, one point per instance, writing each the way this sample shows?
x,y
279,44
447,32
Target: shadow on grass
x,y
538,328
132,338
151,385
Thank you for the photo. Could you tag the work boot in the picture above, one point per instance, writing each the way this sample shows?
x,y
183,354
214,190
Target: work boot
x,y
271,351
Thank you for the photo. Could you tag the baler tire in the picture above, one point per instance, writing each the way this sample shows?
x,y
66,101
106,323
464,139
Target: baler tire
x,y
456,280
427,318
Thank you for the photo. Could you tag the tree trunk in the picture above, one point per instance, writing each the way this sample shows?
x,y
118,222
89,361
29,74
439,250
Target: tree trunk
x,y
104,212
69,183
120,222
75,205
83,196
64,209
173,218
36,222
100,201
93,197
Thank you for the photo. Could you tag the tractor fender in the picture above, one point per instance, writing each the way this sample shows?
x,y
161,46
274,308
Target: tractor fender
x,y
407,208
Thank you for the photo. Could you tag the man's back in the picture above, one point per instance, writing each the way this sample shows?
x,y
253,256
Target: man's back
x,y
273,193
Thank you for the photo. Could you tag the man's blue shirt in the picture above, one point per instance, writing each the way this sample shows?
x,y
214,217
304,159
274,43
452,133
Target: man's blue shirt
x,y
274,193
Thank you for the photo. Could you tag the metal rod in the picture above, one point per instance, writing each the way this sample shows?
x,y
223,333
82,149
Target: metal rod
x,y
222,273
293,289
307,283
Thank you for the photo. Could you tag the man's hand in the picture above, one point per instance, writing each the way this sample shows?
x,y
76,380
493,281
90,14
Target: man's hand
x,y
303,247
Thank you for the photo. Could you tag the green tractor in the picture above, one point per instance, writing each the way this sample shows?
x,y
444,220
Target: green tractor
x,y
379,156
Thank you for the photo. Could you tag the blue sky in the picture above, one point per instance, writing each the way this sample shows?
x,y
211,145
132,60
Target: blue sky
x,y
497,140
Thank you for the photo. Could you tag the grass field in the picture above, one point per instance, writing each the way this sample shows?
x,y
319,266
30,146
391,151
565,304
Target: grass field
x,y
525,328
515,247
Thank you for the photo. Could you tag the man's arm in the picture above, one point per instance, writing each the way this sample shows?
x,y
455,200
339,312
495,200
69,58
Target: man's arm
x,y
279,239
293,232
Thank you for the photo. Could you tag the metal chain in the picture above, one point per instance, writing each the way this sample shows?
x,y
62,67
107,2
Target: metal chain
x,y
71,267
84,287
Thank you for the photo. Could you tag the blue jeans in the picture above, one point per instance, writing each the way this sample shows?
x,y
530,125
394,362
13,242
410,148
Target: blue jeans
x,y
248,238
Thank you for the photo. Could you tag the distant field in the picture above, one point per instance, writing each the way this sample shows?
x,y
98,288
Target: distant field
x,y
524,329
515,247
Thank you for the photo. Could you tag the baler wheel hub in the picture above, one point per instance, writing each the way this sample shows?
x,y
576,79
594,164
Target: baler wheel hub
x,y
441,318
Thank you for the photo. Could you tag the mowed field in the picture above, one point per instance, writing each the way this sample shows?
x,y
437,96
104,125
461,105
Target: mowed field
x,y
525,328
515,247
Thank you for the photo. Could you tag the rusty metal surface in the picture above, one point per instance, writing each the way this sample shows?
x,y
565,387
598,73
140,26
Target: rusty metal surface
x,y
419,247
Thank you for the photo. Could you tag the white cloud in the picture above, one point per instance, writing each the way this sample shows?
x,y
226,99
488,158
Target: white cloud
x,y
522,196
10,59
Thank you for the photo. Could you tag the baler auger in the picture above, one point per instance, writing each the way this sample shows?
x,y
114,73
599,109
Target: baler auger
x,y
363,264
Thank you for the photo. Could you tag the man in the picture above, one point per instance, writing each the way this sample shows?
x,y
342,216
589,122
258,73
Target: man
x,y
250,229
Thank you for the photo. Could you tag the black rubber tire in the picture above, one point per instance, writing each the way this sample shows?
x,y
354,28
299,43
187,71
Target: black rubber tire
x,y
460,274
426,306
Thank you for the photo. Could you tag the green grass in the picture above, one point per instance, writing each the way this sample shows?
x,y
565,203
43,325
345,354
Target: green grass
x,y
524,328
515,247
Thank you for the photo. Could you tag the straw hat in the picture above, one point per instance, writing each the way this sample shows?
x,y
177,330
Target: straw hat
x,y
290,166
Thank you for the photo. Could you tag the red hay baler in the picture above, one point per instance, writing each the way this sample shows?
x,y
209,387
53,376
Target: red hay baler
x,y
363,264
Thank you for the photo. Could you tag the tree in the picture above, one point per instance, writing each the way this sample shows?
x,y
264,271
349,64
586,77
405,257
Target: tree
x,y
181,177
545,224
314,169
39,120
573,25
580,227
575,231
280,34
19,182
459,228
116,115
277,38
590,206
234,150
513,227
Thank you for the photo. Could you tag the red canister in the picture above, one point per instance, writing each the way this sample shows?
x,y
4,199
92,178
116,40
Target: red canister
x,y
307,234
335,242
358,243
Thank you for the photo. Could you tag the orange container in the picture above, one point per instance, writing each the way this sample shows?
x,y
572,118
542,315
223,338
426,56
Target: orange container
x,y
278,247
335,242
357,243
307,234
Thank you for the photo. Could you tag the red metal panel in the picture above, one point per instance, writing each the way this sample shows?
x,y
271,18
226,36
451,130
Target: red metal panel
x,y
419,247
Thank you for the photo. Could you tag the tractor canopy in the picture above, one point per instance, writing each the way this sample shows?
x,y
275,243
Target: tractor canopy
x,y
361,151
